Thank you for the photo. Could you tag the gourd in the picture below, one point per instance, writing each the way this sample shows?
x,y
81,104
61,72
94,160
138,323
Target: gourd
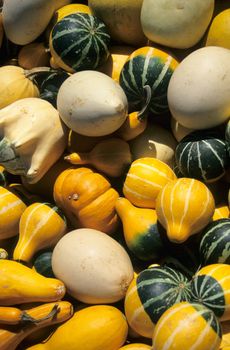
x,y
148,66
176,24
144,180
122,17
81,143
135,346
179,131
41,226
92,104
95,327
184,207
221,211
33,55
140,230
214,243
150,294
187,323
39,317
43,264
3,254
15,85
198,97
111,156
202,155
68,10
218,33
33,137
82,193
85,44
210,287
20,284
93,266
155,141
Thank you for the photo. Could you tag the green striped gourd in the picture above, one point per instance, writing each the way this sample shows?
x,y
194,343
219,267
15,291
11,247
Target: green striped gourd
x,y
202,155
187,326
151,294
41,226
42,264
211,287
147,66
79,41
215,243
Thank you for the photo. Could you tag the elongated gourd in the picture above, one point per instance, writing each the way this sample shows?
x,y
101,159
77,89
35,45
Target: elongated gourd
x,y
46,315
184,207
93,328
140,230
20,284
41,226
13,315
111,156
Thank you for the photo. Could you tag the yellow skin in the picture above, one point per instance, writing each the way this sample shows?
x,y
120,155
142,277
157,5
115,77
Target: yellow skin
x,y
136,346
219,31
221,212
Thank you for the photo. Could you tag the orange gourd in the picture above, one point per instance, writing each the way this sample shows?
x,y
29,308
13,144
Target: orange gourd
x,y
87,199
221,211
136,346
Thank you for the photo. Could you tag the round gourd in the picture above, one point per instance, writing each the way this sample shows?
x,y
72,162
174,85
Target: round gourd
x,y
198,93
184,207
173,23
219,30
144,180
202,155
211,287
69,9
147,66
92,104
221,211
187,326
151,294
79,41
93,266
43,264
214,246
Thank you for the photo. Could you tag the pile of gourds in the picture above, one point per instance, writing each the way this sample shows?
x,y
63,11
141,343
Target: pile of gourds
x,y
114,175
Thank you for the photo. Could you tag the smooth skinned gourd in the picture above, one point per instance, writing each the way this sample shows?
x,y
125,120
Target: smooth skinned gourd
x,y
33,55
91,103
218,33
33,137
94,267
136,346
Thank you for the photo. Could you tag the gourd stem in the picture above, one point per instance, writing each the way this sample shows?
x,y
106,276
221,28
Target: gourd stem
x,y
143,112
27,318
31,73
78,158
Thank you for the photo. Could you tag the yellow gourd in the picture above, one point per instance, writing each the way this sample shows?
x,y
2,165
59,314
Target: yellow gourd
x,y
99,327
136,346
110,156
144,180
184,207
221,211
69,9
20,284
41,226
219,30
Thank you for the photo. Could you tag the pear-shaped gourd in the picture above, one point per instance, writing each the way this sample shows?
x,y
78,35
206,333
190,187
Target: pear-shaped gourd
x,y
32,137
41,226
140,230
184,207
110,156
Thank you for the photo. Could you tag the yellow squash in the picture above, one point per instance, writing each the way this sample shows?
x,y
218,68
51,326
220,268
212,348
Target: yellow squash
x,y
136,346
221,211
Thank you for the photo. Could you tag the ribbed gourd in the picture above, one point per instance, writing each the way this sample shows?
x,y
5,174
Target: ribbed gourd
x,y
93,328
140,230
187,326
202,155
79,41
151,294
214,245
144,180
148,66
211,287
41,226
184,207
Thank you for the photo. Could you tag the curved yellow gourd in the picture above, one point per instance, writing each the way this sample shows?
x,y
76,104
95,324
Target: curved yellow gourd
x,y
99,327
187,326
184,206
41,226
144,180
221,211
136,346
20,284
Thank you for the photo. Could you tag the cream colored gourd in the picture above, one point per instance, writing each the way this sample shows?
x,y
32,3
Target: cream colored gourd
x,y
176,23
33,137
91,103
15,85
94,267
111,156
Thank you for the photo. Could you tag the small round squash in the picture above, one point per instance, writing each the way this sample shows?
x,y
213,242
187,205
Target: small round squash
x,y
93,266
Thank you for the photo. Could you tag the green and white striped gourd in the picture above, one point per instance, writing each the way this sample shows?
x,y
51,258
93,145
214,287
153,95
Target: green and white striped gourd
x,y
147,66
202,155
79,41
215,243
149,295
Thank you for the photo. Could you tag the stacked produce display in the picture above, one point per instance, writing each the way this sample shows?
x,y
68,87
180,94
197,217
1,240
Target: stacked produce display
x,y
114,175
